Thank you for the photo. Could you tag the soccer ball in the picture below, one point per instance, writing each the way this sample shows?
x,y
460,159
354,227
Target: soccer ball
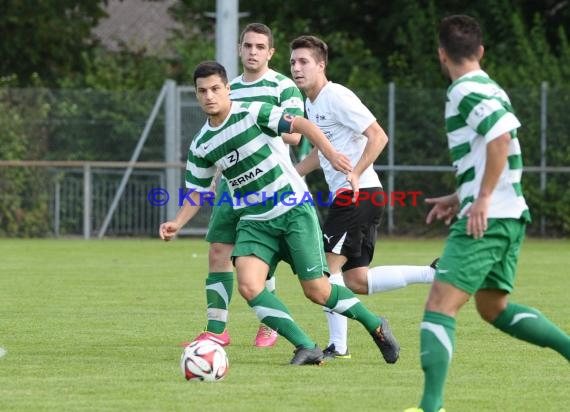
x,y
204,360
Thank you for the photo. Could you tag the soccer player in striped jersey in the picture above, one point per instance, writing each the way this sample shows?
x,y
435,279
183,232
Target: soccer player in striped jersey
x,y
350,230
257,83
481,252
243,140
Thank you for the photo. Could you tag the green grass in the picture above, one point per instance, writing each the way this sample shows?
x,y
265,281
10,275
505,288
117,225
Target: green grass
x,y
95,326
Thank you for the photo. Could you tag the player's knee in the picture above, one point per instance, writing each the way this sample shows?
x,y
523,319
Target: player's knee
x,y
247,291
487,316
219,257
488,311
315,296
490,304
356,285
316,299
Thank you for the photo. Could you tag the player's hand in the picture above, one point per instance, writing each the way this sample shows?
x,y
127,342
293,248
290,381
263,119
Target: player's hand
x,y
477,217
168,230
354,181
444,208
340,162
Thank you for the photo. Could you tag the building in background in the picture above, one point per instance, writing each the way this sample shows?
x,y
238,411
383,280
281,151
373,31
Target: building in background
x,y
138,25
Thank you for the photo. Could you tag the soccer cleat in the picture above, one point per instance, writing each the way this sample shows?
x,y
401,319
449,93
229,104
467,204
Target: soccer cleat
x,y
420,410
433,265
386,342
306,356
266,337
331,353
222,339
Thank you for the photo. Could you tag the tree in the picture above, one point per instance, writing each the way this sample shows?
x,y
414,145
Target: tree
x,y
46,38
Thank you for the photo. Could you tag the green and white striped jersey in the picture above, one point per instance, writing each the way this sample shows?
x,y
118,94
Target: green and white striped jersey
x,y
247,148
273,88
477,111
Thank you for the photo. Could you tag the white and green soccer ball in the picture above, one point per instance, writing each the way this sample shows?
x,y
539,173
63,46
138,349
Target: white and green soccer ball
x,y
204,360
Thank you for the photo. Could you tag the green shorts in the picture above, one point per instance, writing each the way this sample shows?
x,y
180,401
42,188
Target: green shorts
x,y
295,235
487,263
224,219
281,257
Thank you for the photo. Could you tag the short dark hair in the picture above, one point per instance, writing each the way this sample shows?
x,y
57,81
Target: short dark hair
x,y
318,48
259,28
460,36
210,68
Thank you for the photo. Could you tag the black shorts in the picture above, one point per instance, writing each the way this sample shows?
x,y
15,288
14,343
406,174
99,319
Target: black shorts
x,y
351,230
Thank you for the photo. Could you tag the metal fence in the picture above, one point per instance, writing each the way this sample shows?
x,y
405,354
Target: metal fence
x,y
73,189
101,189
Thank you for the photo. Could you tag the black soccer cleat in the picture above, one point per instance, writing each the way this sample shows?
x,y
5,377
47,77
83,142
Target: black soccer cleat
x,y
386,342
306,356
433,264
331,353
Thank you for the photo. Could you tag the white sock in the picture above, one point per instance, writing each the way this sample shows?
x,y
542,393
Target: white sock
x,y
270,284
384,278
338,324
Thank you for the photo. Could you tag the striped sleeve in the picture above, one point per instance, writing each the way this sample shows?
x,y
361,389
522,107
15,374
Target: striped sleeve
x,y
199,171
486,111
291,98
270,118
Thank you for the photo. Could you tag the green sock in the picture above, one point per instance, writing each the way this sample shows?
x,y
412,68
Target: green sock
x,y
532,326
437,340
342,300
272,312
219,288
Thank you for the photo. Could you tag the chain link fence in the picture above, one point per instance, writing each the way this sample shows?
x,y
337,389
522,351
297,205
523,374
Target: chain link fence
x,y
51,199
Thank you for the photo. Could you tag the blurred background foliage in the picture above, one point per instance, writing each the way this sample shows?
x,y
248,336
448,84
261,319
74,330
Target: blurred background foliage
x,y
54,70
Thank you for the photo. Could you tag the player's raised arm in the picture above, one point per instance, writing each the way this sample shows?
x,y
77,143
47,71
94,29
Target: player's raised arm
x,y
338,160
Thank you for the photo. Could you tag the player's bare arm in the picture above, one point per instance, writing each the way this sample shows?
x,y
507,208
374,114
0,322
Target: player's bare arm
x,y
376,141
497,152
375,144
444,208
309,164
292,139
168,230
339,161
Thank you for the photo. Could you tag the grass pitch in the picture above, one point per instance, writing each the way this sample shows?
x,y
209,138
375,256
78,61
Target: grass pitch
x,y
95,326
